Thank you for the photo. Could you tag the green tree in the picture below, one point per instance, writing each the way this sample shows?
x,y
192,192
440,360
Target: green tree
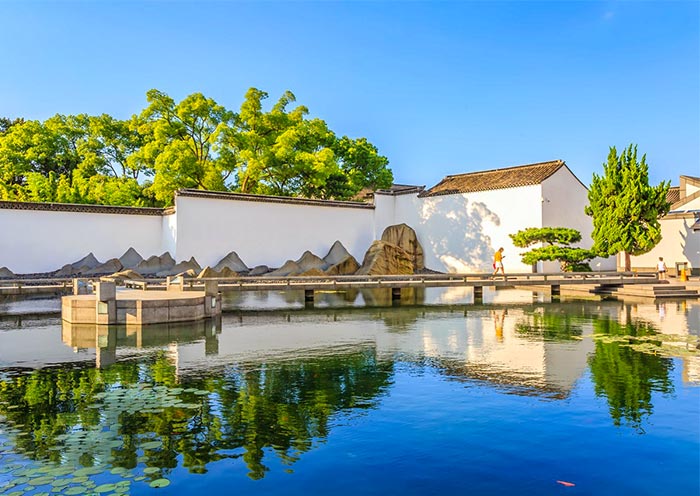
x,y
282,153
625,208
112,145
285,153
40,147
6,123
558,240
184,144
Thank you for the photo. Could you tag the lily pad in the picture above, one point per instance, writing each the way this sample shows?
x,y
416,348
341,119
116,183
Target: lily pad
x,y
73,491
160,483
105,488
152,445
151,470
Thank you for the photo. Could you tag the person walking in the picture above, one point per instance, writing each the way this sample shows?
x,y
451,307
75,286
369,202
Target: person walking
x,y
498,262
661,267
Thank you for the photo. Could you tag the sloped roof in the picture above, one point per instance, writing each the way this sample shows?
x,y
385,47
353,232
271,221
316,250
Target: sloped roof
x,y
509,177
401,189
674,194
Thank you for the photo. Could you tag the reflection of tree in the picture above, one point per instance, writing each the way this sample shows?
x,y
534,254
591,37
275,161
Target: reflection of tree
x,y
550,323
625,376
106,416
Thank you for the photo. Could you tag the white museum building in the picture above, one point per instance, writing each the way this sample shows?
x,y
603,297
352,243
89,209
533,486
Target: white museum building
x,y
460,222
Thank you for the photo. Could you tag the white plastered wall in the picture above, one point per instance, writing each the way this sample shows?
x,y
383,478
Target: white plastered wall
x,y
169,234
564,200
461,232
679,243
41,241
267,233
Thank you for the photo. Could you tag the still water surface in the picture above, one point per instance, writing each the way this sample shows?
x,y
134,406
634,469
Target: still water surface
x,y
514,396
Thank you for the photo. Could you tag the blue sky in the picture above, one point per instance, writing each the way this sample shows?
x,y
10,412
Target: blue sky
x,y
439,87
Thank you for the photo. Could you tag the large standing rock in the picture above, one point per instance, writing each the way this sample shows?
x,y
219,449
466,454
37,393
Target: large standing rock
x,y
109,267
339,261
85,264
129,274
383,258
289,268
6,273
130,259
208,272
310,261
259,270
155,264
336,254
190,268
312,272
405,237
347,266
233,262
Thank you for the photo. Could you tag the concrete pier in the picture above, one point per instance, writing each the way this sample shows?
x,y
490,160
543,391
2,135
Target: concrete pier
x,y
130,306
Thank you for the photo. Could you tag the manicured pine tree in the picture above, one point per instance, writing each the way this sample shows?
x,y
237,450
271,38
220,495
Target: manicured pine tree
x,y
558,241
625,208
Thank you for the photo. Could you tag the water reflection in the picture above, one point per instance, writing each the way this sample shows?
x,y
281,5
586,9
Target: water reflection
x,y
262,386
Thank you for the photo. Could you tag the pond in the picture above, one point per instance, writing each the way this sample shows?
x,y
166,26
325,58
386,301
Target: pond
x,y
517,395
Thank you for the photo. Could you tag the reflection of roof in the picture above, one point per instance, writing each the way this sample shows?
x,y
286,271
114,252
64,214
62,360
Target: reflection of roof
x,y
509,177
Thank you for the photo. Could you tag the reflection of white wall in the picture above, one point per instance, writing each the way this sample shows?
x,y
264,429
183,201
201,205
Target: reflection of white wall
x,y
267,232
42,241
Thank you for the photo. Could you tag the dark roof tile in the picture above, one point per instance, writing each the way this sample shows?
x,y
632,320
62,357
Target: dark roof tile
x,y
509,177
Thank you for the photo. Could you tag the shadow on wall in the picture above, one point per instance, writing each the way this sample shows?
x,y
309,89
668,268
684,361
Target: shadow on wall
x,y
455,233
691,251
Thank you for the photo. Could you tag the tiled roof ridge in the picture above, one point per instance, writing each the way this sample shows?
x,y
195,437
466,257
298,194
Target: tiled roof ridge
x,y
226,195
502,169
494,179
84,208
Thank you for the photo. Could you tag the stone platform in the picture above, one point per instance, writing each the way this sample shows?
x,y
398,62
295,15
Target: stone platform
x,y
131,306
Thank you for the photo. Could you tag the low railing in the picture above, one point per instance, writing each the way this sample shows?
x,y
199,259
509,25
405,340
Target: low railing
x,y
344,281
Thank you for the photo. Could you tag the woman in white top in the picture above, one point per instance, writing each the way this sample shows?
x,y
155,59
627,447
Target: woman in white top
x,y
661,268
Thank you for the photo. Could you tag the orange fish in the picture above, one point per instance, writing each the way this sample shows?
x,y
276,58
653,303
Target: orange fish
x,y
567,484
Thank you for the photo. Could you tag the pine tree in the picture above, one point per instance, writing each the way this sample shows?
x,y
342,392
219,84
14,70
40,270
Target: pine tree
x,y
625,208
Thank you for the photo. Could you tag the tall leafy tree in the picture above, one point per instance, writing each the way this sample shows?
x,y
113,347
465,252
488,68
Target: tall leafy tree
x,y
624,207
282,153
6,123
558,241
184,143
285,153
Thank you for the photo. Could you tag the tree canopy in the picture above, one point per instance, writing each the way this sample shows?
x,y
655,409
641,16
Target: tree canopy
x,y
194,143
624,207
558,240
